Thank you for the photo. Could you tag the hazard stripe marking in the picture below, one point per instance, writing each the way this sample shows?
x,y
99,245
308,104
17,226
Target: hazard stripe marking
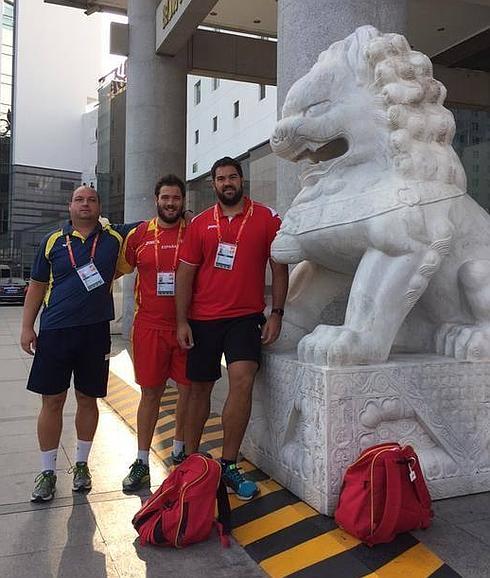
x,y
375,558
285,536
289,537
445,571
261,506
273,522
418,562
311,552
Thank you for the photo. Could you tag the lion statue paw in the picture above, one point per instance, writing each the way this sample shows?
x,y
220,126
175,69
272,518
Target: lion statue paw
x,y
465,342
336,346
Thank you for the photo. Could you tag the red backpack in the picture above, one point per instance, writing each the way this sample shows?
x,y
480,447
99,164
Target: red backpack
x,y
383,494
182,510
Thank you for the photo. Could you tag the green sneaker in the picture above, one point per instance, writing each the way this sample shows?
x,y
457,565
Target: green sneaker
x,y
139,476
45,487
237,483
82,480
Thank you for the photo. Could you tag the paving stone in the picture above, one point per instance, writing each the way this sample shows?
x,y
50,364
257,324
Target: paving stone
x,y
81,561
46,529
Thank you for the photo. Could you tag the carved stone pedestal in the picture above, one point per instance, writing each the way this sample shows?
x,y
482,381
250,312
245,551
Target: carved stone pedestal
x,y
309,422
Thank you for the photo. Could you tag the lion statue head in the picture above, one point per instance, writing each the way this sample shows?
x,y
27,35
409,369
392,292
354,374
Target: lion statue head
x,y
371,99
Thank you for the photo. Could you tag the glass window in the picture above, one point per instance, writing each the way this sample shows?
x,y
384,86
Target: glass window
x,y
194,168
236,108
473,151
197,92
215,123
215,83
196,136
261,91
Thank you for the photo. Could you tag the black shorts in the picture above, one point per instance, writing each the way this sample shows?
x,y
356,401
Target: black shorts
x,y
83,351
239,338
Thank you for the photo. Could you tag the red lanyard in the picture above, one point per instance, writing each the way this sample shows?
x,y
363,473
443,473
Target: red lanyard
x,y
240,230
70,250
179,241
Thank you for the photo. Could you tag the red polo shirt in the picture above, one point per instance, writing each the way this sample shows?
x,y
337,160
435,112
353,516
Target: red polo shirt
x,y
151,311
219,293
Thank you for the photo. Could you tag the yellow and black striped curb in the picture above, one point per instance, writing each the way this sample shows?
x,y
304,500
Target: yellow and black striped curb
x,y
285,536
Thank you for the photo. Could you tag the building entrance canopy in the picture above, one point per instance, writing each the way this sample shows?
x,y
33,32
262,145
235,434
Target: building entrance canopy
x,y
453,32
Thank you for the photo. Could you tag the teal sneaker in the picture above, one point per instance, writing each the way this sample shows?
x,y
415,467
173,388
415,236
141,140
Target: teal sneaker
x,y
238,484
139,476
82,480
178,458
45,487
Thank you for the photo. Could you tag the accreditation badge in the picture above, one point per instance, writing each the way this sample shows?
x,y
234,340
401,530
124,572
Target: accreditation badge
x,y
166,283
225,256
90,276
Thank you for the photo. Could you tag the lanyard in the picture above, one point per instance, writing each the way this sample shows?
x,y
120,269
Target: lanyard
x,y
240,230
179,241
70,250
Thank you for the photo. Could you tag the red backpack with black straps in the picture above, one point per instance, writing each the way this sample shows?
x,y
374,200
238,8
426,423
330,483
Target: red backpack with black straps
x,y
182,510
384,494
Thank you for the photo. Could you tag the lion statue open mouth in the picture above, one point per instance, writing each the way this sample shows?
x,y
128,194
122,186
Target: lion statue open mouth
x,y
383,214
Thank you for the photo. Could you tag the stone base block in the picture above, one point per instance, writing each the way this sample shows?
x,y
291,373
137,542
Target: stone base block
x,y
309,422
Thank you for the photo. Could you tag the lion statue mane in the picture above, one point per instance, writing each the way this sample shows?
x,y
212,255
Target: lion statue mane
x,y
382,219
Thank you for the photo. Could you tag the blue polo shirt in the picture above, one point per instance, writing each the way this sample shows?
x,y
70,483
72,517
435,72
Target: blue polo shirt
x,y
67,302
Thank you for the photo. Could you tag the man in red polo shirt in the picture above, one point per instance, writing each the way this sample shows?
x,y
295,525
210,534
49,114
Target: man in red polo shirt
x,y
153,249
220,304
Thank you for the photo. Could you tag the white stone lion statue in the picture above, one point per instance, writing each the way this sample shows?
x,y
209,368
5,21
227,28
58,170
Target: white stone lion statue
x,y
383,214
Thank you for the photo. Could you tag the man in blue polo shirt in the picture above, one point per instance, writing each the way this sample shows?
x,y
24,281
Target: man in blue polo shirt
x,y
72,275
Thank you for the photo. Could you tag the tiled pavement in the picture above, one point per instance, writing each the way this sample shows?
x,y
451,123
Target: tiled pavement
x,y
77,536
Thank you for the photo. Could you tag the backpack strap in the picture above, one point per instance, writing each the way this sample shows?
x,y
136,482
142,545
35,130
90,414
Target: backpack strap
x,y
421,490
393,501
223,523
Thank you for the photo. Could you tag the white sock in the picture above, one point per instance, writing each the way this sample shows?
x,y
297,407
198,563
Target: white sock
x,y
83,450
144,456
178,447
48,460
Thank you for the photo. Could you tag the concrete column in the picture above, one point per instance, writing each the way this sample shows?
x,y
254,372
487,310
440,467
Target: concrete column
x,y
305,29
155,120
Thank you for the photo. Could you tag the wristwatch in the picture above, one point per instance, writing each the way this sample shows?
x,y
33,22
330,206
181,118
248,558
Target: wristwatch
x,y
277,310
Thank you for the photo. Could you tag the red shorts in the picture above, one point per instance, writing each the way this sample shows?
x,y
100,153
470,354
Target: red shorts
x,y
157,356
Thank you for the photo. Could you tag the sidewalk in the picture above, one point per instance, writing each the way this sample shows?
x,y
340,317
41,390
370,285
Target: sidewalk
x,y
80,536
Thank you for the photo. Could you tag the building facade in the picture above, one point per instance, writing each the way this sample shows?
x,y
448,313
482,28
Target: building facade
x,y
184,46
49,96
7,19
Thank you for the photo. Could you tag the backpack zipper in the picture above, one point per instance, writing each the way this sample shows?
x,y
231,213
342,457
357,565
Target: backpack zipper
x,y
153,500
182,494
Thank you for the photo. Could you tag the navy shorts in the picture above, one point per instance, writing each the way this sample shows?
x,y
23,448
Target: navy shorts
x,y
82,351
239,338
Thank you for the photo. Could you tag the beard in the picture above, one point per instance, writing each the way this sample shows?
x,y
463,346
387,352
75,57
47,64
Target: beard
x,y
169,219
230,201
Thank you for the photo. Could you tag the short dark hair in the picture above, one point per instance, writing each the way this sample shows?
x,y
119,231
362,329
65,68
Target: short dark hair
x,y
226,162
170,180
85,186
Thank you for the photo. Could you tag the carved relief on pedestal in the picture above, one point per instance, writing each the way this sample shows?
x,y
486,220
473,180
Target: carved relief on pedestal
x,y
309,423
